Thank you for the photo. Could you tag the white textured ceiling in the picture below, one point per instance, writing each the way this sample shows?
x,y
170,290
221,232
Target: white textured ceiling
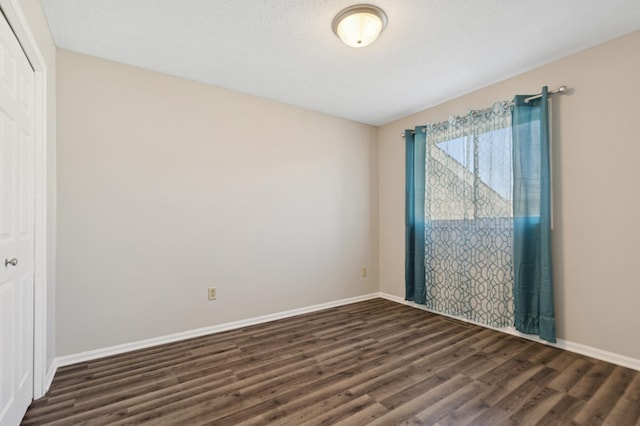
x,y
284,50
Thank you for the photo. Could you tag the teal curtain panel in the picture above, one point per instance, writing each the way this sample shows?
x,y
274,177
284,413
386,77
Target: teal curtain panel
x,y
414,215
533,283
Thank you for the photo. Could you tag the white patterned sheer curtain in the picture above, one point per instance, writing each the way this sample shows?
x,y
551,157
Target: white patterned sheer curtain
x,y
468,216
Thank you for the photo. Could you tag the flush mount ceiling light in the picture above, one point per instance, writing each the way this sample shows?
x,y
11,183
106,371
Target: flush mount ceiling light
x,y
359,25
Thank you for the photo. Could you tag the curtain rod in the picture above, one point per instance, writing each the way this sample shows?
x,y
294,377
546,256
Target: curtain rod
x,y
560,90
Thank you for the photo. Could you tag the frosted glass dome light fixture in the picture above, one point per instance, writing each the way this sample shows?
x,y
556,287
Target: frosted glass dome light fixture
x,y
359,25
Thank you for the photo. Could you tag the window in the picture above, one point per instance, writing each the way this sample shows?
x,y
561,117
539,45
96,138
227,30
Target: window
x,y
468,217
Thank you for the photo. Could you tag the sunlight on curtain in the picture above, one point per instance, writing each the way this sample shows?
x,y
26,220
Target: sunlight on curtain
x,y
468,216
533,283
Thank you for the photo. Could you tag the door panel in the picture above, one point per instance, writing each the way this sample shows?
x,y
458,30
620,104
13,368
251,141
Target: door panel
x,y
7,175
17,192
24,359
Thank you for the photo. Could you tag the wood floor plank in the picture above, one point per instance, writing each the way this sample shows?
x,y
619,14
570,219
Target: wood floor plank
x,y
364,416
230,395
442,408
291,402
466,413
562,361
571,375
589,384
536,407
606,397
327,411
625,412
387,383
372,362
408,408
562,413
510,374
147,371
633,390
501,410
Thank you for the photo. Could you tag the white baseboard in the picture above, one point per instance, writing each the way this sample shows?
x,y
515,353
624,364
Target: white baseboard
x,y
51,372
48,379
170,338
579,348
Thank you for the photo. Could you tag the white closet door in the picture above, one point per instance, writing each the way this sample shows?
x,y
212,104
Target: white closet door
x,y
16,228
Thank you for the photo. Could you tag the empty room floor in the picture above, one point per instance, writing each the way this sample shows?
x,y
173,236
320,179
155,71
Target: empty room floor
x,y
369,363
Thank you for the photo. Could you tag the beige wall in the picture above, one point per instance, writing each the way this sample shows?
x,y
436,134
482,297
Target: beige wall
x,y
167,187
596,240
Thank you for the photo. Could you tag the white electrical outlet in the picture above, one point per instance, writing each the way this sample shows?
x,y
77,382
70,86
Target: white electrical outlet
x,y
212,293
364,272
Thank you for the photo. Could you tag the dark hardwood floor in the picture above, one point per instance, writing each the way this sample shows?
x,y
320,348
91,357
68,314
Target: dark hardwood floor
x,y
370,363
